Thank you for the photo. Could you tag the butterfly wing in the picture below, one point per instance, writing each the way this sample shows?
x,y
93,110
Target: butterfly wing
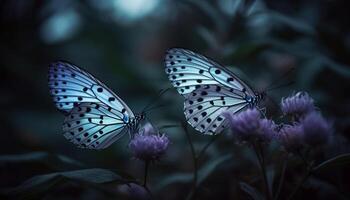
x,y
94,125
203,108
187,71
96,117
69,86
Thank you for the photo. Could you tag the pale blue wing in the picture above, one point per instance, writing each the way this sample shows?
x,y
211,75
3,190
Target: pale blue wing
x,y
96,117
94,125
203,108
187,71
70,86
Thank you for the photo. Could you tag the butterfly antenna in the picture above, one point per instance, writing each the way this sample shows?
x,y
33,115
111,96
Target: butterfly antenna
x,y
154,100
275,104
280,78
169,126
157,129
273,101
154,107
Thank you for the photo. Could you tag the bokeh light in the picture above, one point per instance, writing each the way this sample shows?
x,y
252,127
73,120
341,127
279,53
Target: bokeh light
x,y
61,26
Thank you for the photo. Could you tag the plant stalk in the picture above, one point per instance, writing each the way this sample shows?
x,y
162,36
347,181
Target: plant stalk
x,y
283,172
196,159
201,153
195,165
145,174
297,188
309,169
260,155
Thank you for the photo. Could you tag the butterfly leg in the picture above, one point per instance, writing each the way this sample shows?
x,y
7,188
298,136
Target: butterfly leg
x,y
262,111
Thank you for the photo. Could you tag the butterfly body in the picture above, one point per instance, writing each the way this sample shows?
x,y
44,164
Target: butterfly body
x,y
95,116
255,100
209,90
134,123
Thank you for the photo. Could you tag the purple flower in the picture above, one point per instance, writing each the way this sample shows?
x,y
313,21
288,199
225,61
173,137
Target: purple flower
x,y
148,145
248,126
297,105
291,137
317,131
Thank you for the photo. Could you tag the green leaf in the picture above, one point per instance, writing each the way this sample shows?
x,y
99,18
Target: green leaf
x,y
34,187
174,178
324,188
249,50
340,69
203,173
270,177
251,191
294,23
230,7
28,157
207,169
213,13
208,36
95,175
55,161
338,161
39,185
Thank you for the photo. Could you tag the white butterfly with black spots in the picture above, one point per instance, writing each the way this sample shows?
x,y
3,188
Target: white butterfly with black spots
x,y
209,90
95,116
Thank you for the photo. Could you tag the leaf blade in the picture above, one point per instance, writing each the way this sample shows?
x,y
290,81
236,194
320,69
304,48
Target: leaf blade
x,y
251,191
340,160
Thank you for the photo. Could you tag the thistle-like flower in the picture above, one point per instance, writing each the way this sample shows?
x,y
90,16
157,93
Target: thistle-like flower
x,y
291,137
317,130
248,126
148,144
297,105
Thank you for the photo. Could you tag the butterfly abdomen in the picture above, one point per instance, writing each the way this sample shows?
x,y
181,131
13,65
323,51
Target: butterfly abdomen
x,y
254,100
134,123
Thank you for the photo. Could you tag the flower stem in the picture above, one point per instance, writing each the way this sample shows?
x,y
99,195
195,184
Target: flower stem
x,y
260,155
296,189
201,153
305,177
195,159
195,165
145,174
283,172
305,162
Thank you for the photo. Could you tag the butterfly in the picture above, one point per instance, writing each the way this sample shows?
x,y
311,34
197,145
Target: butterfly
x,y
209,90
95,116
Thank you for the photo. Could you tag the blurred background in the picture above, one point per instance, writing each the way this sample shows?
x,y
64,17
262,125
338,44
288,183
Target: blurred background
x,y
123,42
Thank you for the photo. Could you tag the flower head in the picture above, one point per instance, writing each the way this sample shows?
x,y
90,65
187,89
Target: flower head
x,y
317,131
148,145
291,137
248,126
297,105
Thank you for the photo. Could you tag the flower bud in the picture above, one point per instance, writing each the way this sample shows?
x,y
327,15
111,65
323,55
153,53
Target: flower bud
x,y
297,105
248,126
148,145
291,137
317,131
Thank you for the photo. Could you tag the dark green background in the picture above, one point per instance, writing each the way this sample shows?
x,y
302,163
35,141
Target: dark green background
x,y
261,39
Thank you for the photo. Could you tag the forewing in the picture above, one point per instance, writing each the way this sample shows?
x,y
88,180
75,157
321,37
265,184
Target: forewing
x,y
94,125
70,86
203,108
187,71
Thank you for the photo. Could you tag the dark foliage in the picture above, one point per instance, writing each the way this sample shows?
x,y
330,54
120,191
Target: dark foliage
x,y
124,44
